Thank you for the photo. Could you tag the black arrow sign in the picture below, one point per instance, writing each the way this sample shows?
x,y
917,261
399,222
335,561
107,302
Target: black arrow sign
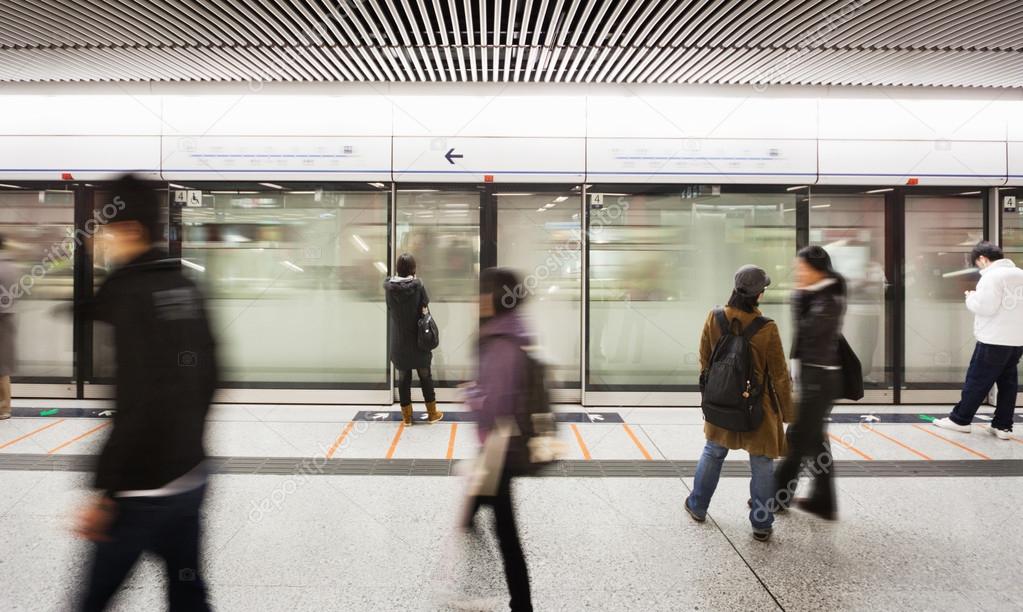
x,y
451,156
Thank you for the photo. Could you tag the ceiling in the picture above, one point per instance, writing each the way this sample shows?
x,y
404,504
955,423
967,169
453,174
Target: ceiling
x,y
959,43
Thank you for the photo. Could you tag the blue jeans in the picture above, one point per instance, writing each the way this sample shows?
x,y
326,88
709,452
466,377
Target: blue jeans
x,y
991,364
761,485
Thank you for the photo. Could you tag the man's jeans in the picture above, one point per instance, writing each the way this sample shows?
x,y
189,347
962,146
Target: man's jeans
x,y
991,364
761,486
166,526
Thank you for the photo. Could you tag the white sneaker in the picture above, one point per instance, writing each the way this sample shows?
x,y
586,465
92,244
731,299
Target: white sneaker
x,y
947,423
1001,433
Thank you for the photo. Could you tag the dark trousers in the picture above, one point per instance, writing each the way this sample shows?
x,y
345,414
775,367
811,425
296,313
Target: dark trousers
x,y
515,572
991,364
807,439
165,526
405,386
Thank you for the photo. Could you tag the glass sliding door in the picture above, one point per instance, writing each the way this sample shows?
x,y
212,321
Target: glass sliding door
x,y
1012,231
38,229
539,235
441,229
294,278
851,227
940,231
661,259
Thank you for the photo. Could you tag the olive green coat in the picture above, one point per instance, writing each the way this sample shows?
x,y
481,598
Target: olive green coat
x,y
769,439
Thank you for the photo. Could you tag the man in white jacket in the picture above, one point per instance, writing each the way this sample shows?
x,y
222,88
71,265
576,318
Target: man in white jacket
x,y
997,305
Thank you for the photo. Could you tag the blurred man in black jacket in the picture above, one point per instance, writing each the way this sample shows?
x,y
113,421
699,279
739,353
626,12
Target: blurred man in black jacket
x,y
150,475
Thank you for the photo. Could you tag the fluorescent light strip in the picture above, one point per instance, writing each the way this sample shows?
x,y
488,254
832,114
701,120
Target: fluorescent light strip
x,y
885,190
10,186
176,186
797,188
272,185
192,265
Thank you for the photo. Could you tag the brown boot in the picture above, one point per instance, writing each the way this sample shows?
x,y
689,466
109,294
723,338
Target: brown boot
x,y
432,412
406,415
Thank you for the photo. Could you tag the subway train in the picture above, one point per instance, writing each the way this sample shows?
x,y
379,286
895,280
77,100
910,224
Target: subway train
x,y
626,209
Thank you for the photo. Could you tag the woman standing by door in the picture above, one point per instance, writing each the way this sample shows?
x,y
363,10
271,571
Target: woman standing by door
x,y
407,301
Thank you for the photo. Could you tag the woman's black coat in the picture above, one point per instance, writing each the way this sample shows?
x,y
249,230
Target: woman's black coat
x,y
406,298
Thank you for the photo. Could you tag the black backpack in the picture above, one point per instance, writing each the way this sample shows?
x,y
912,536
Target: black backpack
x,y
732,398
534,420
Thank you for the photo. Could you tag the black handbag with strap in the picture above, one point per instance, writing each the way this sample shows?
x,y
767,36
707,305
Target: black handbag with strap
x,y
852,371
429,336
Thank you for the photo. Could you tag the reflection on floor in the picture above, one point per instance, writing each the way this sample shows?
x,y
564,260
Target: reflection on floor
x,y
329,542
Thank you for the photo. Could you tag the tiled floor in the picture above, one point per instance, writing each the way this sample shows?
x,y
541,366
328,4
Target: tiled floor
x,y
358,543
316,431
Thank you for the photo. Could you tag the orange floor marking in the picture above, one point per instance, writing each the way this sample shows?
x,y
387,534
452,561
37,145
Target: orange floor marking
x,y
953,443
579,440
451,441
636,441
394,442
891,439
31,433
850,447
344,434
78,437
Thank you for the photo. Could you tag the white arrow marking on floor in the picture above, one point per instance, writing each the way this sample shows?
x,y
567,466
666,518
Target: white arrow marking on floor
x,y
424,417
380,415
107,413
868,418
596,417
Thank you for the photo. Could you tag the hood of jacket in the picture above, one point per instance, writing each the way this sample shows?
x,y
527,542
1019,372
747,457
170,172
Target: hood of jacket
x,y
403,287
998,265
507,324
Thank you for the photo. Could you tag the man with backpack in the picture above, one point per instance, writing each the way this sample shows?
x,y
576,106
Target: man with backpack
x,y
745,383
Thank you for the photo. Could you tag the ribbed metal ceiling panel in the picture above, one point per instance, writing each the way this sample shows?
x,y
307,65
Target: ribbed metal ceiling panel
x,y
964,43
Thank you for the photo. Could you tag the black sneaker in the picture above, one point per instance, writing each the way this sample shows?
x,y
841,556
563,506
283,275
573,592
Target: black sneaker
x,y
692,513
808,506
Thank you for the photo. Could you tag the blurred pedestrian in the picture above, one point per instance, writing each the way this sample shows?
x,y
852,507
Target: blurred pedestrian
x,y
407,303
150,477
818,307
771,378
498,395
8,331
997,306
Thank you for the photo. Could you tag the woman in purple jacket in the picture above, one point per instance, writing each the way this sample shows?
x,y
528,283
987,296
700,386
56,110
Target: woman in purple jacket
x,y
498,392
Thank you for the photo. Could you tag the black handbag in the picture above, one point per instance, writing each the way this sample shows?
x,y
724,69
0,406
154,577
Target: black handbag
x,y
429,335
852,371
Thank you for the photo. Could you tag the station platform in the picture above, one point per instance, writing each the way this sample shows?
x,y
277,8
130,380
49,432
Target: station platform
x,y
343,508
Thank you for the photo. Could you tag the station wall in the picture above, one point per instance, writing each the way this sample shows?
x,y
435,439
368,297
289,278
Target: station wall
x,y
514,133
